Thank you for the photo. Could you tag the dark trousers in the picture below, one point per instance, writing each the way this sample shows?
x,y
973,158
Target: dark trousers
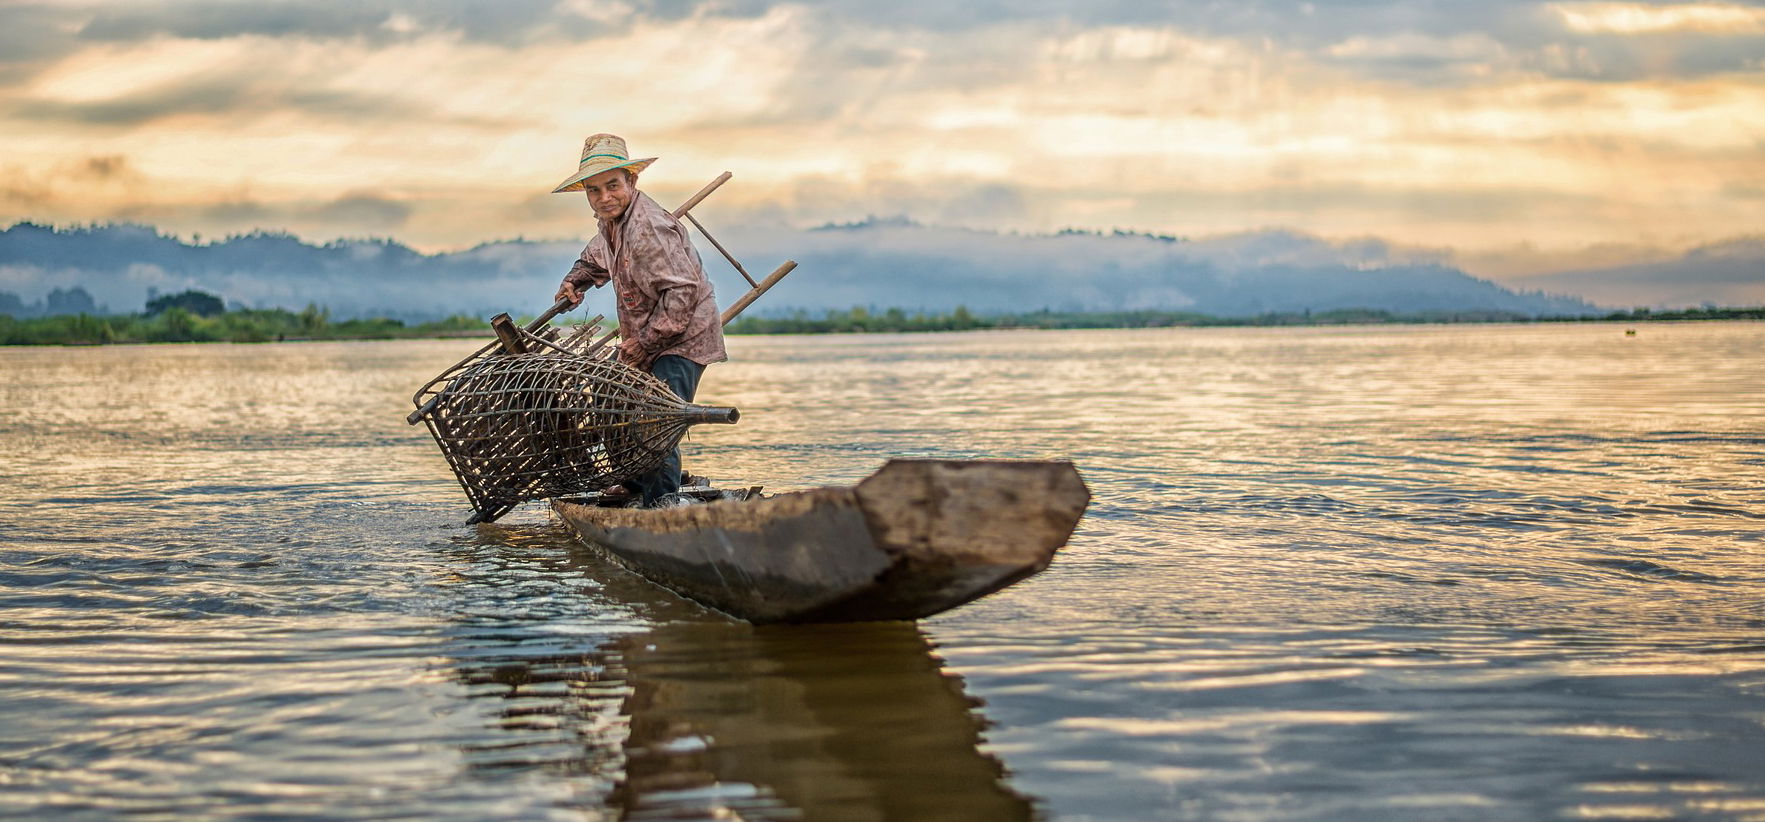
x,y
682,377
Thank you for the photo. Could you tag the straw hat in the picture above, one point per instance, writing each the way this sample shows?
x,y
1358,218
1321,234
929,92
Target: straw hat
x,y
601,152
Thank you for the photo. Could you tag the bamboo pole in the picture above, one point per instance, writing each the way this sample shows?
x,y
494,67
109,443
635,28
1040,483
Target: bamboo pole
x,y
559,307
721,250
703,193
748,299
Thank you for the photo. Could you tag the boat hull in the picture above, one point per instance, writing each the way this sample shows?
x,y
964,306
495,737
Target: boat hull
x,y
916,538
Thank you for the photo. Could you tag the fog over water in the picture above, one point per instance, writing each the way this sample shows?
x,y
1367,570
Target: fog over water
x,y
877,263
1452,572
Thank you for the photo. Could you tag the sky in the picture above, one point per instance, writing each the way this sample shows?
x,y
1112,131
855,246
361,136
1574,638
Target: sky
x,y
1517,139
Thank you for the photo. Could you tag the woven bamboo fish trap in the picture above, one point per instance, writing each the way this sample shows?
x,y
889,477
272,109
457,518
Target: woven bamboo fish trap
x,y
551,420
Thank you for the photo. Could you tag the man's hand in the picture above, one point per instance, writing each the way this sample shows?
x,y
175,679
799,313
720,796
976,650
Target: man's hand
x,y
567,291
633,354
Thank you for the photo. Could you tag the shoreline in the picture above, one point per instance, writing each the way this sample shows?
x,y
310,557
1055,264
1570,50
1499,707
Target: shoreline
x,y
84,330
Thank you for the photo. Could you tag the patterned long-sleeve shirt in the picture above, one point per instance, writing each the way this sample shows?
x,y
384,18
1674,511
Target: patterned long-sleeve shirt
x,y
665,301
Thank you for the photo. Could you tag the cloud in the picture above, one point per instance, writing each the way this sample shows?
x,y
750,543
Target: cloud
x,y
506,22
1651,18
364,213
236,81
233,97
1469,40
32,36
367,211
235,214
218,20
52,188
1386,40
108,166
1473,126
1728,272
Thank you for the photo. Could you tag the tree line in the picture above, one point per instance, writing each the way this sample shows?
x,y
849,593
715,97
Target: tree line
x,y
195,316
864,320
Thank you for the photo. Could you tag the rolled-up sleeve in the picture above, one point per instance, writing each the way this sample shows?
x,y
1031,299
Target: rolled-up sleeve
x,y
586,272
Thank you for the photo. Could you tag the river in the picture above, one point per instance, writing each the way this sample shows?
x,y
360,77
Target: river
x,y
1429,572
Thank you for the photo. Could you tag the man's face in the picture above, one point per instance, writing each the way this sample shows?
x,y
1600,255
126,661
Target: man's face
x,y
609,193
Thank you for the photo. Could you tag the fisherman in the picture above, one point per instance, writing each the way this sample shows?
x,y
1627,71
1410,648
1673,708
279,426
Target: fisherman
x,y
668,321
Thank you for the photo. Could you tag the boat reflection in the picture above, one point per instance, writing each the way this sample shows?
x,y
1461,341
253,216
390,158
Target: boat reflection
x,y
724,719
845,721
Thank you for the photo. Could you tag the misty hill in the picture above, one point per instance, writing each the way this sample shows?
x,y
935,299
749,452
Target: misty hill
x,y
70,301
875,263
1725,272
895,262
125,265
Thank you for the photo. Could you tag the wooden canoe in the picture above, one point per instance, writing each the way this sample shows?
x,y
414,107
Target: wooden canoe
x,y
916,538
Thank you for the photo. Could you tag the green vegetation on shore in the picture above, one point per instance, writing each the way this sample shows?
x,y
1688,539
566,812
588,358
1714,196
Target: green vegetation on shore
x,y
174,321
179,324
862,320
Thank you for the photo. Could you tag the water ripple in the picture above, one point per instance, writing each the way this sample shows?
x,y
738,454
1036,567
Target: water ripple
x,y
1353,573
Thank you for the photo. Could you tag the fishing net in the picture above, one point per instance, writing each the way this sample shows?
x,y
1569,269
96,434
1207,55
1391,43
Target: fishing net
x,y
561,417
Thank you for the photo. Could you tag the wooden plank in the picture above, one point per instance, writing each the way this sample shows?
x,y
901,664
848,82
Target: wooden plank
x,y
506,335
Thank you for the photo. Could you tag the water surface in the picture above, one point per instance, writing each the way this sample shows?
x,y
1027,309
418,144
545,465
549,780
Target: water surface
x,y
1456,572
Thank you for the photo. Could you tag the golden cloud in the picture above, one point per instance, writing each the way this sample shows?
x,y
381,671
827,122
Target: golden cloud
x,y
1020,125
1649,18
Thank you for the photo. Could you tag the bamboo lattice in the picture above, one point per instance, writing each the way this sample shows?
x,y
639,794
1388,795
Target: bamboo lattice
x,y
558,418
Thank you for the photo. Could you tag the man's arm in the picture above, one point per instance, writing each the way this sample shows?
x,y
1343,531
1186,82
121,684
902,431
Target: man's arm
x,y
584,274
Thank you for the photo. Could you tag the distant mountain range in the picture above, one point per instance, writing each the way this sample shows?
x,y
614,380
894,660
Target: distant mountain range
x,y
878,263
1729,272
